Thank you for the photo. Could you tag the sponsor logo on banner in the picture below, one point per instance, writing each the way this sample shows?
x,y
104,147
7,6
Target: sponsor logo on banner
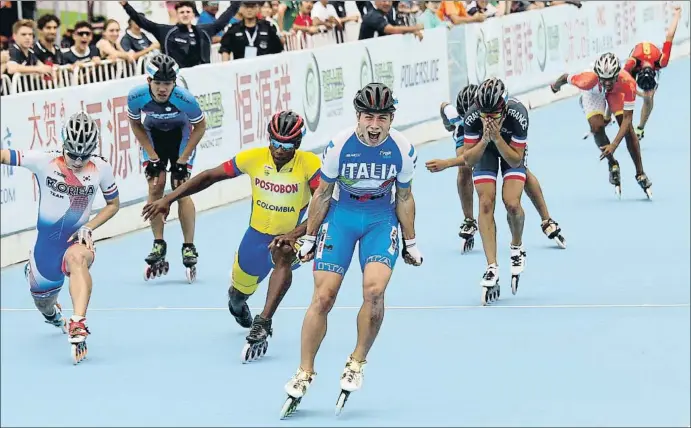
x,y
487,54
258,96
541,43
212,106
380,72
323,93
419,73
366,69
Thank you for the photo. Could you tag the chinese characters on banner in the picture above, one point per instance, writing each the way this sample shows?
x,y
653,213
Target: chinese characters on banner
x,y
258,96
517,42
115,145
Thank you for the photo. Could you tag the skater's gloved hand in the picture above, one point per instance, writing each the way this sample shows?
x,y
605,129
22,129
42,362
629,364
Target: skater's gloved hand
x,y
83,236
179,173
153,170
411,253
307,249
607,150
152,209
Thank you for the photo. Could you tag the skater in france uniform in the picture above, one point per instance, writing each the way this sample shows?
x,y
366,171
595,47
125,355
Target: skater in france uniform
x,y
68,181
283,179
453,120
173,127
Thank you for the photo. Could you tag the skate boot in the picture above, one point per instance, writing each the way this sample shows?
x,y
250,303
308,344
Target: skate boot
x,y
552,230
57,319
490,285
351,381
518,257
78,332
296,388
467,233
615,178
189,259
257,340
156,264
244,318
645,184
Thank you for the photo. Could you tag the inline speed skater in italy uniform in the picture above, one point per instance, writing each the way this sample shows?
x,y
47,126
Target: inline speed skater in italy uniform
x,y
644,64
283,179
454,118
610,86
496,135
355,204
68,182
173,127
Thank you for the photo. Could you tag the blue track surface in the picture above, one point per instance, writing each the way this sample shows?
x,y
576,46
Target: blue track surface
x,y
597,336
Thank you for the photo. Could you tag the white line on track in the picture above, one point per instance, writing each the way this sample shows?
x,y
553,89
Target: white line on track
x,y
394,308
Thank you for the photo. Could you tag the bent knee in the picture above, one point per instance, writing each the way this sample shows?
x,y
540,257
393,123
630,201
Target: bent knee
x,y
513,205
373,292
487,203
76,257
283,255
597,124
324,300
156,192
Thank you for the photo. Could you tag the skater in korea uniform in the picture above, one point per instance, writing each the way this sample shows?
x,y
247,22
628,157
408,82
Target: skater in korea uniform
x,y
168,137
283,179
68,181
453,120
355,204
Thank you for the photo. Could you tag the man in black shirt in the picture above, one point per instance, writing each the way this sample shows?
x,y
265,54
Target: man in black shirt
x,y
45,48
377,23
187,44
22,57
82,50
251,37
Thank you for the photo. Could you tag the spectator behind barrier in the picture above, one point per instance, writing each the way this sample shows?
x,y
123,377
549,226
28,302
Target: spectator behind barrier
x,y
287,12
303,21
376,22
483,7
429,18
45,48
187,44
136,41
208,16
83,50
109,46
455,12
21,56
251,37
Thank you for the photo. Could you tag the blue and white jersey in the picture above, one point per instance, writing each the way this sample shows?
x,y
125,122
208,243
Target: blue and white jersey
x,y
181,109
366,174
65,196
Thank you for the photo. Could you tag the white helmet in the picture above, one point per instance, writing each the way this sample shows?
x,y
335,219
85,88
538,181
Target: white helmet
x,y
607,66
80,135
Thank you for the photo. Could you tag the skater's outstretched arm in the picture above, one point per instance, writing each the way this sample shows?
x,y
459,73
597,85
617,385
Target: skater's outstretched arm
x,y
405,211
319,206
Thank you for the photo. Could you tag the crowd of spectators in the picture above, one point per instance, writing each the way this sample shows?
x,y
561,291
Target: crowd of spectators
x,y
242,30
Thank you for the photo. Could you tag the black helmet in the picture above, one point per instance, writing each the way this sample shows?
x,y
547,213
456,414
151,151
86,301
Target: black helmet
x,y
287,127
465,99
646,79
374,98
162,68
491,95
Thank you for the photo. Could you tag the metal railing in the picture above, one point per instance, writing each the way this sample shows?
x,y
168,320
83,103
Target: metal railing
x,y
88,72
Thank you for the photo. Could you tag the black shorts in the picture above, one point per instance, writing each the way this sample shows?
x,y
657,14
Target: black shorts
x,y
168,145
491,162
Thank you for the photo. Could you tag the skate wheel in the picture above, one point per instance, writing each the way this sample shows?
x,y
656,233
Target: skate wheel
x,y
191,274
561,242
79,352
514,284
147,273
617,191
340,403
290,406
649,193
246,355
163,270
468,245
